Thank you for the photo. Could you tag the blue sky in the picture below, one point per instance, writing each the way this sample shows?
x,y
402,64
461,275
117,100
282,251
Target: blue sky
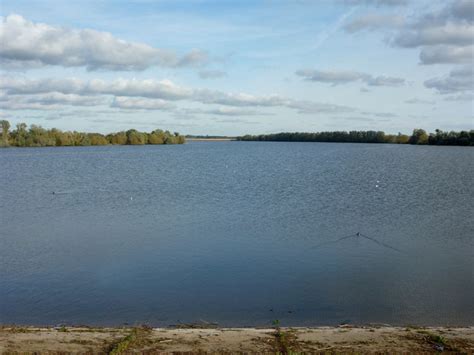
x,y
236,67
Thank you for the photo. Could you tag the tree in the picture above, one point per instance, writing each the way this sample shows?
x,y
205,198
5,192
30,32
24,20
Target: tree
x,y
117,138
80,139
97,139
37,136
5,125
135,138
419,136
20,135
156,137
402,138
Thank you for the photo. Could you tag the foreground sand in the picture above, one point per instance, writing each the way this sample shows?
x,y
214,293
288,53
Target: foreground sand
x,y
230,340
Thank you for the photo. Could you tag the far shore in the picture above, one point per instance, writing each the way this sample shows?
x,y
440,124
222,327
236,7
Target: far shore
x,y
200,339
210,139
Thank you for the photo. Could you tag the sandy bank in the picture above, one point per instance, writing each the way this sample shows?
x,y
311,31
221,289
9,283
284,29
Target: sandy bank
x,y
328,339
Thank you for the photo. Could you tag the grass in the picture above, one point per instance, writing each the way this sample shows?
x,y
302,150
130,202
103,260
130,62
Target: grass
x,y
16,329
438,339
285,342
136,337
122,345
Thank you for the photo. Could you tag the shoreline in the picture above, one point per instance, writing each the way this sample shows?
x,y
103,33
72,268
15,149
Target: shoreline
x,y
210,139
223,340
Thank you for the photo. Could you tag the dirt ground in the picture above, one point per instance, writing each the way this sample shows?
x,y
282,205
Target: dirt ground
x,y
235,340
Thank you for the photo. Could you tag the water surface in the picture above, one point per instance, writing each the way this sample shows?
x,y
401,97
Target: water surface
x,y
237,233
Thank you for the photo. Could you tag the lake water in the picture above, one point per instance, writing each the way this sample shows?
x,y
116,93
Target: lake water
x,y
237,233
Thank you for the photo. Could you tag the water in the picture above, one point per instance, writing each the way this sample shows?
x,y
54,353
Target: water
x,y
237,233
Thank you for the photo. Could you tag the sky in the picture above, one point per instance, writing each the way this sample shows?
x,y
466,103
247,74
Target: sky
x,y
238,67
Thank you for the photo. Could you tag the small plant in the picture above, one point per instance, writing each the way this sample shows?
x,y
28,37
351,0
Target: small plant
x,y
284,340
19,330
437,339
123,344
136,337
438,342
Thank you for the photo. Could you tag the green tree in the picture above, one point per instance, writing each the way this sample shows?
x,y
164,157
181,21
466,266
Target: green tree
x,y
97,139
5,125
419,136
135,138
80,139
117,138
20,135
37,136
156,137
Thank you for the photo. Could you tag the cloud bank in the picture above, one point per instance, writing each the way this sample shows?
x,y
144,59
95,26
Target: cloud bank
x,y
211,74
344,77
374,22
458,80
152,94
446,36
25,44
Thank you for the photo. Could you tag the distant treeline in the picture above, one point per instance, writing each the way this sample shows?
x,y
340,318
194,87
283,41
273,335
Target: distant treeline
x,y
419,136
207,137
37,136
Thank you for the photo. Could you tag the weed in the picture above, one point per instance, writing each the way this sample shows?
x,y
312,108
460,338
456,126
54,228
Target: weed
x,y
16,329
438,339
123,344
135,338
284,341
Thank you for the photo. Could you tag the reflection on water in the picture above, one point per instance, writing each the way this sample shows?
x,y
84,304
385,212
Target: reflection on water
x,y
237,233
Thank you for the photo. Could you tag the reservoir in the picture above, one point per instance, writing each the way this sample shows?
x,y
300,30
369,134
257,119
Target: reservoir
x,y
238,234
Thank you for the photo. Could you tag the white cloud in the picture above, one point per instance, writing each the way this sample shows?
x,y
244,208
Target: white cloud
x,y
381,114
211,74
136,103
310,107
419,101
344,77
235,99
384,81
447,54
373,22
333,77
460,97
376,2
164,90
458,80
358,119
195,58
47,101
225,111
26,44
426,34
461,9
235,121
444,36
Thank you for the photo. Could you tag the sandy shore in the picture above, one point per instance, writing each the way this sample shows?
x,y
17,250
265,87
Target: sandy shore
x,y
230,340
